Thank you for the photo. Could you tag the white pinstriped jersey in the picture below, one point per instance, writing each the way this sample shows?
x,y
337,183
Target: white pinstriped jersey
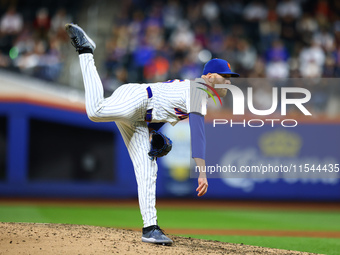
x,y
127,106
173,100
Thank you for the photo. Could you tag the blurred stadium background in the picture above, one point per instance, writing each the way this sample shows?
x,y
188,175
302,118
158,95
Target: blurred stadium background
x,y
49,147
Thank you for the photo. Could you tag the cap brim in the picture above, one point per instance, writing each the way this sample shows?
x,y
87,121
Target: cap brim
x,y
231,73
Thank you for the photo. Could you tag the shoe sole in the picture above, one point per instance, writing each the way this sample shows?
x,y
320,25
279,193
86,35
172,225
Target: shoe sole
x,y
68,26
155,241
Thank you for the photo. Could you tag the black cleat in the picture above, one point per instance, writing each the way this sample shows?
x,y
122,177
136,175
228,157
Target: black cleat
x,y
79,39
154,234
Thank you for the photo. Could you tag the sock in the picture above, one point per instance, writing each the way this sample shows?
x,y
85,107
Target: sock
x,y
147,229
85,50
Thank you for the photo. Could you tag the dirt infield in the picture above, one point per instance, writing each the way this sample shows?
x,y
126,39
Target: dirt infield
x,y
33,238
27,238
253,232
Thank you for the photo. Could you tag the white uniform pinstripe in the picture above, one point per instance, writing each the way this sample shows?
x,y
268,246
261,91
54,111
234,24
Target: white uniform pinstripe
x,y
127,106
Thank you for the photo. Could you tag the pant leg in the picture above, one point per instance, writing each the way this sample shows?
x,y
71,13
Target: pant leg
x,y
136,138
126,103
126,106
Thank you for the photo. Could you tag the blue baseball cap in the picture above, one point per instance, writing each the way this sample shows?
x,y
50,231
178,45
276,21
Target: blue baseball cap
x,y
219,66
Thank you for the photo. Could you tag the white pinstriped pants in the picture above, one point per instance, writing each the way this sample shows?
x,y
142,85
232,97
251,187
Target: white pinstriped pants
x,y
127,107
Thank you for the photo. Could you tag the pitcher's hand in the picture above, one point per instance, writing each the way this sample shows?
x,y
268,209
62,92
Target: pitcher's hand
x,y
202,186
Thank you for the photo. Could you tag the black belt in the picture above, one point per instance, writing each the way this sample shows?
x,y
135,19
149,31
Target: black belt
x,y
148,115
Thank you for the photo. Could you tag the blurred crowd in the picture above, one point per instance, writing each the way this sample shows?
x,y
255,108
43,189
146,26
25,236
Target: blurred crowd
x,y
31,44
158,40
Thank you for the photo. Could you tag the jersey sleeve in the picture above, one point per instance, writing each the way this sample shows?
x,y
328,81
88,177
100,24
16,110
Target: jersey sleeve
x,y
197,98
197,134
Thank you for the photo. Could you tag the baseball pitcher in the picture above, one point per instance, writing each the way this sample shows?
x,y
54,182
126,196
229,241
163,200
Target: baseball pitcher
x,y
139,110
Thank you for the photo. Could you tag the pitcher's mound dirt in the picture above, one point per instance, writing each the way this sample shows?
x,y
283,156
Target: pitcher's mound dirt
x,y
34,238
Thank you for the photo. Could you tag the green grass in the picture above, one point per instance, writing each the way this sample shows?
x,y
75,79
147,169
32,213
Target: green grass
x,y
129,217
98,216
250,219
330,246
175,218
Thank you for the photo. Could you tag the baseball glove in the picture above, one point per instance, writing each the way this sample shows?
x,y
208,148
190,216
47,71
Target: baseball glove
x,y
161,145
